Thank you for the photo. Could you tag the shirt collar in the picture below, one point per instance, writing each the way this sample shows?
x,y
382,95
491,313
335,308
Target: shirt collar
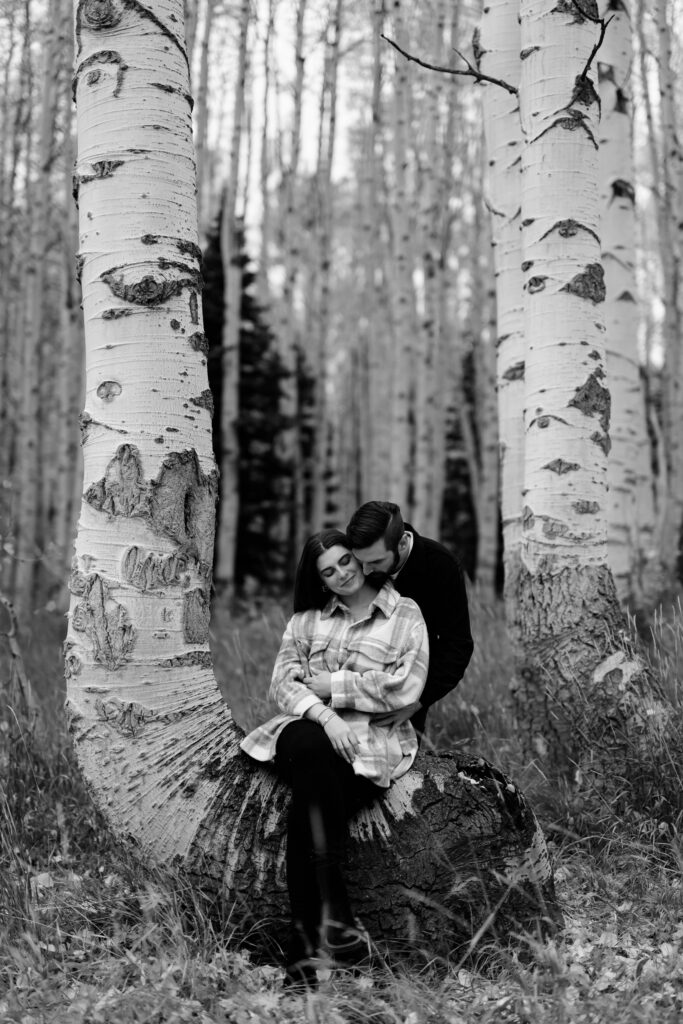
x,y
410,548
384,600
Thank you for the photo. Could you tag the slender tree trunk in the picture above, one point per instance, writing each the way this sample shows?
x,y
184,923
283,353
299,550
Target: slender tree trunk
x,y
631,512
500,47
201,116
228,508
29,540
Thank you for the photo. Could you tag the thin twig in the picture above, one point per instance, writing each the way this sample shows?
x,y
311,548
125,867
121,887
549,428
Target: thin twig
x,y
471,70
603,28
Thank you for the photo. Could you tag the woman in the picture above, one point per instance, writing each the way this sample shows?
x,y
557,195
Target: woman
x,y
350,652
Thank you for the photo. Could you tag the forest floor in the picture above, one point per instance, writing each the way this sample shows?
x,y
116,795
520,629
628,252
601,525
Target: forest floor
x,y
87,937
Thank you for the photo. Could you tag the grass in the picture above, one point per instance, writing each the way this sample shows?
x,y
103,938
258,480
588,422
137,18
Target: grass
x,y
87,937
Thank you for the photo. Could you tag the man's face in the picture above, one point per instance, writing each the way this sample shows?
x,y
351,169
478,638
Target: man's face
x,y
377,559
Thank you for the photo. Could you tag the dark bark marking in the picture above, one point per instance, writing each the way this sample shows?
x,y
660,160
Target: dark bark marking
x,y
561,467
204,401
528,221
149,290
122,491
199,343
183,505
528,51
545,420
175,325
574,121
625,296
147,570
527,265
72,662
105,622
536,284
194,308
528,518
589,284
202,658
116,314
584,94
569,228
189,249
101,169
196,616
150,239
622,189
109,390
101,57
584,507
622,103
130,717
602,440
100,14
592,399
587,10
554,528
515,372
594,355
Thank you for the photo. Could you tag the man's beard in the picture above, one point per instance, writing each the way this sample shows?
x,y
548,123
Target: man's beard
x,y
378,579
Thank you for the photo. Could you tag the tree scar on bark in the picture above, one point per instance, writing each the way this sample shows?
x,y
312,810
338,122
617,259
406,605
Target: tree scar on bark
x,y
130,717
625,296
584,94
515,372
536,284
589,284
592,399
101,169
622,189
101,57
587,10
554,527
574,121
196,616
116,314
72,662
584,508
183,504
545,420
105,622
204,401
123,490
109,390
149,290
527,53
194,308
561,466
602,440
204,659
152,570
569,228
199,342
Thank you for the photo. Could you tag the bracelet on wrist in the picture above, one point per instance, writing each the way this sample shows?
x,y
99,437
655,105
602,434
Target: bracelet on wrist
x,y
326,716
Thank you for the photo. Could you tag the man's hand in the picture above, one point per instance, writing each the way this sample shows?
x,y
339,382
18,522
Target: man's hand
x,y
391,718
342,737
320,683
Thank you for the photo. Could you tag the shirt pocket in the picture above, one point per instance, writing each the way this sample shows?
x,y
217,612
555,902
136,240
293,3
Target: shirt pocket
x,y
319,654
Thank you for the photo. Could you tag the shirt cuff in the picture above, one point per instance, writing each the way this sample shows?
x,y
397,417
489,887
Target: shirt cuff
x,y
304,703
337,687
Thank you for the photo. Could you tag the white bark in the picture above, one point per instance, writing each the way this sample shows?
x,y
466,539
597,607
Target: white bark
x,y
631,512
500,45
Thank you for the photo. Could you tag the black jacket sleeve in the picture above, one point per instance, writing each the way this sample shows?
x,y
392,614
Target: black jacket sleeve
x,y
448,624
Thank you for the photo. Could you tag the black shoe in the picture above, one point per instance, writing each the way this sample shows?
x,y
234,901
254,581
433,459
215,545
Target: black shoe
x,y
347,944
300,978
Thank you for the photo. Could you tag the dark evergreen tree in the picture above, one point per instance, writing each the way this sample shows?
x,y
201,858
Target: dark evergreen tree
x,y
261,472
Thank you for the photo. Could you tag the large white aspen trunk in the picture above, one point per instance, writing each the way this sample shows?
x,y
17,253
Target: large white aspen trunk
x,y
453,847
499,57
631,535
228,506
585,696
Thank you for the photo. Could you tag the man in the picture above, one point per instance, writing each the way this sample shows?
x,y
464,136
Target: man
x,y
426,571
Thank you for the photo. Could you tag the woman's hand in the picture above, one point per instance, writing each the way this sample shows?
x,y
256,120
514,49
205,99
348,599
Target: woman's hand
x,y
320,683
342,737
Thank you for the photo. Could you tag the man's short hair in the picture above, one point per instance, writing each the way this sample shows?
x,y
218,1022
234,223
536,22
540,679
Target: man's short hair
x,y
373,521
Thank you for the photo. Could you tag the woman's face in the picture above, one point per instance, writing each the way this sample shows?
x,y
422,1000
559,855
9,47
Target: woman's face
x,y
340,571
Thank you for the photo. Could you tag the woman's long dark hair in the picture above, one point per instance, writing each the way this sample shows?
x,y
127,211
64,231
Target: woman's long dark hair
x,y
308,587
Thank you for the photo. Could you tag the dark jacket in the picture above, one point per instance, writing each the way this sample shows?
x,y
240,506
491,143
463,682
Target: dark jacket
x,y
432,576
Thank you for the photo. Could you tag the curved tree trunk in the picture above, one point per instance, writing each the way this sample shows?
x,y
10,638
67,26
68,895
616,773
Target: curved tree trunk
x,y
453,847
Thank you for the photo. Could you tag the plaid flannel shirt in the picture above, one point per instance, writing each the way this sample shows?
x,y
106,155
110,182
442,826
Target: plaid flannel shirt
x,y
377,664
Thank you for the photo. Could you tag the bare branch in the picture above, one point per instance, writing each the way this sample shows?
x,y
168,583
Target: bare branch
x,y
603,28
471,70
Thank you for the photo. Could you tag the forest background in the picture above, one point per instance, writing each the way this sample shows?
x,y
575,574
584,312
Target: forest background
x,y
353,200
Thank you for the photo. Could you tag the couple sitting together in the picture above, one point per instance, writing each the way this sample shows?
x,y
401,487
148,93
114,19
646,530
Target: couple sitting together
x,y
380,632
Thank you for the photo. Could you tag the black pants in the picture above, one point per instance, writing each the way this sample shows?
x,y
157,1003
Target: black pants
x,y
325,793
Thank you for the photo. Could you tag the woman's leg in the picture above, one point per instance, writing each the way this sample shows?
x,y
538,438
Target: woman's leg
x,y
325,792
